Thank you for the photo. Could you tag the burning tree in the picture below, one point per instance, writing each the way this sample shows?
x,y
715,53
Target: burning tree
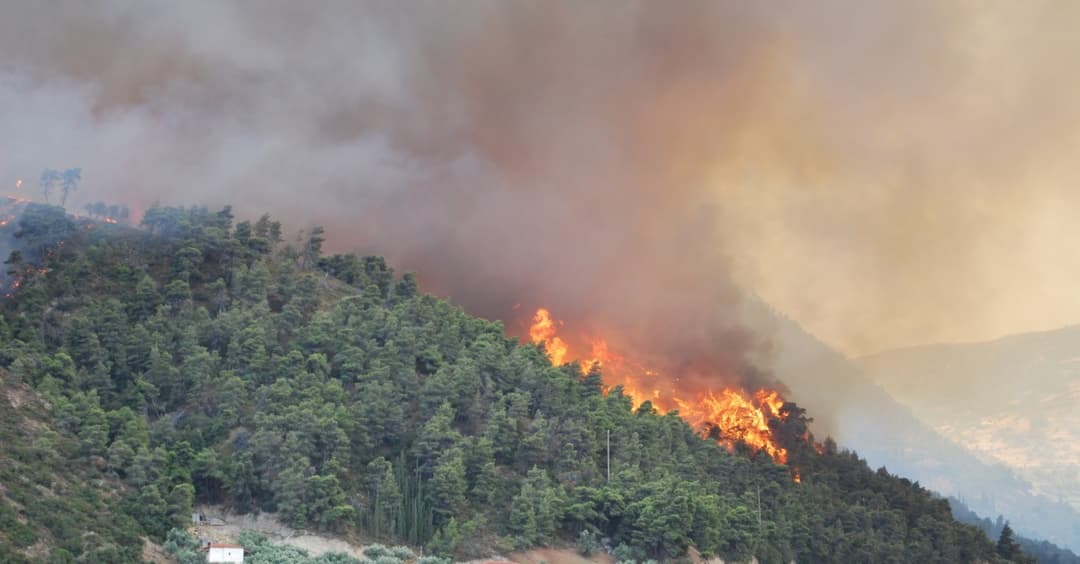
x,y
49,178
110,213
69,182
44,229
758,421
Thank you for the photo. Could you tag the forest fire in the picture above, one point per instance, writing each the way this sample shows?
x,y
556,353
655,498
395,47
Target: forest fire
x,y
543,330
731,415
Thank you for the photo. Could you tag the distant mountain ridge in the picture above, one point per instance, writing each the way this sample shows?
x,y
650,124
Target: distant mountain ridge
x,y
869,418
1012,400
1043,551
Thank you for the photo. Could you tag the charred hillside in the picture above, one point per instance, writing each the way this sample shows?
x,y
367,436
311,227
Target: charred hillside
x,y
201,359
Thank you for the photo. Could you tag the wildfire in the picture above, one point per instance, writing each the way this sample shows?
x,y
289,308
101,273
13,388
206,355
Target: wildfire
x,y
111,220
737,416
18,184
731,415
543,331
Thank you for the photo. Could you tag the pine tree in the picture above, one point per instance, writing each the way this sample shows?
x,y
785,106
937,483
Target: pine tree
x,y
1006,546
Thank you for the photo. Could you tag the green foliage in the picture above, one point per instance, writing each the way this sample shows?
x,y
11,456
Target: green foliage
x,y
63,509
375,551
183,547
1006,545
446,540
19,534
588,543
536,511
623,553
201,360
402,553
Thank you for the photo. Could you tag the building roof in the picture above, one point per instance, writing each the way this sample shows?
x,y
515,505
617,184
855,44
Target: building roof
x,y
223,545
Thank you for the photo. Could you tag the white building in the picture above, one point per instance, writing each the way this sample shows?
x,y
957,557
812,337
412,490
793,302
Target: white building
x,y
219,552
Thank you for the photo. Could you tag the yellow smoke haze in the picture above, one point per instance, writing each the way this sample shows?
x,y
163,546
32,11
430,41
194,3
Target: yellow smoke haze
x,y
887,173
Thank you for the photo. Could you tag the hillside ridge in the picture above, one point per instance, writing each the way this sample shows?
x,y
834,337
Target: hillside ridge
x,y
205,360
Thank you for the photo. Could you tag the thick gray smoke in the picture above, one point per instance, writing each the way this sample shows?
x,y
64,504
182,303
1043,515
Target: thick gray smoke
x,y
884,172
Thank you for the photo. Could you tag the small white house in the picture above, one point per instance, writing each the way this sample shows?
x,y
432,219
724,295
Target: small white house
x,y
219,552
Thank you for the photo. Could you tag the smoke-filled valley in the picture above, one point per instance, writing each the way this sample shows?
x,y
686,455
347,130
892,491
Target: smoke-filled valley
x,y
719,204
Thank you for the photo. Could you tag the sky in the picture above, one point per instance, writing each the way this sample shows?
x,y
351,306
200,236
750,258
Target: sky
x,y
885,173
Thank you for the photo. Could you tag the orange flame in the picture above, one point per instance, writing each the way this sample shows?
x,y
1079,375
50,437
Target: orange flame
x,y
731,415
543,332
737,417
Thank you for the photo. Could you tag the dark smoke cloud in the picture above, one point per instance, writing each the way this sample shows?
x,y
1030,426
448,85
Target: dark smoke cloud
x,y
885,172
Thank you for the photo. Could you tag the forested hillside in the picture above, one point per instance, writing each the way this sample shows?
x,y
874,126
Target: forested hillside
x,y
203,359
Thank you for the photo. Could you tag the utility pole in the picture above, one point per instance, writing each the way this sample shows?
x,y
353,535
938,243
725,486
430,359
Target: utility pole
x,y
609,455
759,507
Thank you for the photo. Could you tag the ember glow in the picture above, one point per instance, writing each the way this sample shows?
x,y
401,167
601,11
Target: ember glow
x,y
18,184
729,414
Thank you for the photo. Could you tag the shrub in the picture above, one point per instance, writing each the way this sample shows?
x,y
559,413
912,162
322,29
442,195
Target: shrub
x,y
337,558
250,540
183,547
402,553
588,543
623,553
376,551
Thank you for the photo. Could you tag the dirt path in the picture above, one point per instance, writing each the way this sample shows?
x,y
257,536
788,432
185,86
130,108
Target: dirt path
x,y
279,533
267,525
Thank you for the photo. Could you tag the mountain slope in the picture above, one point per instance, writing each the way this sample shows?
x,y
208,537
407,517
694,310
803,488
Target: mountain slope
x,y
863,416
201,360
49,507
1012,400
1043,551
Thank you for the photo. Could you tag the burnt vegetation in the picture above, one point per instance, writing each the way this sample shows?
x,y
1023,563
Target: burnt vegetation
x,y
201,359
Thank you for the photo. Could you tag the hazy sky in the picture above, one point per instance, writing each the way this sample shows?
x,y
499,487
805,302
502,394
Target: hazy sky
x,y
887,173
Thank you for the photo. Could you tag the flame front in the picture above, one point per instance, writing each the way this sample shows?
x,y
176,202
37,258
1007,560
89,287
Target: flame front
x,y
731,415
737,416
543,332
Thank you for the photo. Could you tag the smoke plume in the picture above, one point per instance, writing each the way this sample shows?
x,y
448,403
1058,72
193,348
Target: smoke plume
x,y
887,173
